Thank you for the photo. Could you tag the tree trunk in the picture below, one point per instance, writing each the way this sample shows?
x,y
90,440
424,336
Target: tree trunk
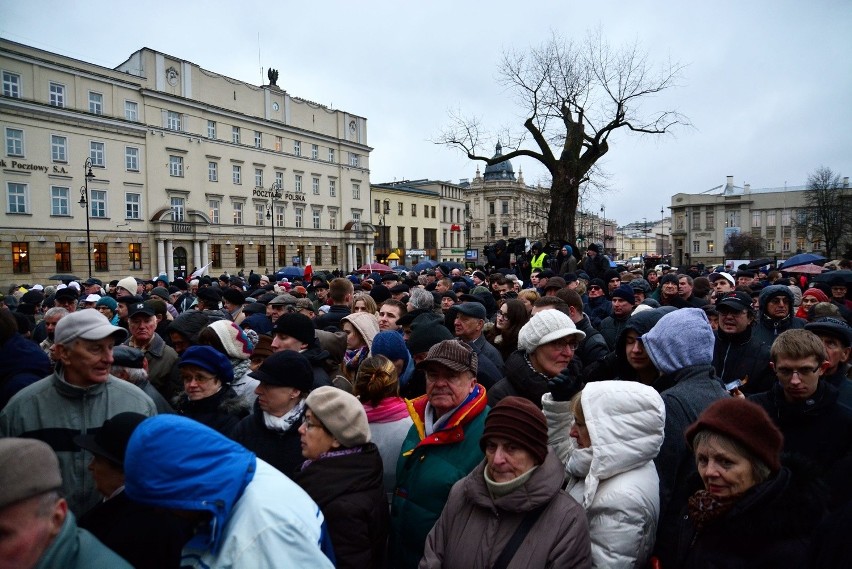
x,y
564,196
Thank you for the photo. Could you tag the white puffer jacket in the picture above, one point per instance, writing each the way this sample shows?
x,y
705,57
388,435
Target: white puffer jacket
x,y
621,490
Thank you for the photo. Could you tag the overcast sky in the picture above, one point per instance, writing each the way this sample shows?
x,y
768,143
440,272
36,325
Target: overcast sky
x,y
766,84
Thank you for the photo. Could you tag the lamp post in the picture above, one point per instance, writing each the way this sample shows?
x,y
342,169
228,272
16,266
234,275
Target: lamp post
x,y
384,244
646,236
84,203
662,231
603,226
270,214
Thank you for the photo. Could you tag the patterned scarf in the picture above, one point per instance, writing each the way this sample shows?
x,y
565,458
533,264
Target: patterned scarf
x,y
332,454
283,423
704,507
352,358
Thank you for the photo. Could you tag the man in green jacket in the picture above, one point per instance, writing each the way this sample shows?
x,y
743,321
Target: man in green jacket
x,y
441,448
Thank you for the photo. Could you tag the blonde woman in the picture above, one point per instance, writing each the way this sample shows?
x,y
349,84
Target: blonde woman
x,y
363,302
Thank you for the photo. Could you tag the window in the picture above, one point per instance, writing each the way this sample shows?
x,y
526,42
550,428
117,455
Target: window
x,y
216,256
377,206
14,142
58,148
279,216
399,208
334,254
444,215
12,87
353,159
59,201
17,198
710,219
237,174
770,218
425,210
279,143
131,110
57,95
96,153
261,255
98,203
258,139
770,245
785,245
433,212
239,255
490,208
134,253
211,129
96,103
444,240
131,158
755,219
504,230
785,218
235,134
176,166
413,210
679,222
297,184
297,147
315,186
173,120
696,246
258,177
299,212
696,220
132,206
492,230
400,237
711,246
20,249
504,207
214,206
259,211
101,253
212,171
430,238
318,255
316,218
331,155
332,220
332,188
314,151
62,255
279,179
178,208
414,242
238,213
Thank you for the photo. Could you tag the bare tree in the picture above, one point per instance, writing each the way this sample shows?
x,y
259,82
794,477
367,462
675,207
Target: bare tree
x,y
744,246
574,97
827,215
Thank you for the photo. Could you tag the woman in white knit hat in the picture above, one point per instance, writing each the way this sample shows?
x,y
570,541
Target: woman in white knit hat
x,y
546,346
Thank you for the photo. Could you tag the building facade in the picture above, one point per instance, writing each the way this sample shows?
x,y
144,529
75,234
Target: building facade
x,y
702,223
405,222
175,167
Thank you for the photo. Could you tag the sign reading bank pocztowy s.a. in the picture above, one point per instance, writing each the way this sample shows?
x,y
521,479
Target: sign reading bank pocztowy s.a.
x,y
25,166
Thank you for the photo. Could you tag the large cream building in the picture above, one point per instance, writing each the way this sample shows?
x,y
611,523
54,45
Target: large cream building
x,y
406,222
184,165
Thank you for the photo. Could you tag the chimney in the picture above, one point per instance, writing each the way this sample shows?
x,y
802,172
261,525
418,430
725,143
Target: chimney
x,y
747,189
729,185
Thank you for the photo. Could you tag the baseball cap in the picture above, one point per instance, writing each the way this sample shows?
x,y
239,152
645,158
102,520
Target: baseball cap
x,y
727,276
736,299
86,325
92,298
125,356
453,354
136,308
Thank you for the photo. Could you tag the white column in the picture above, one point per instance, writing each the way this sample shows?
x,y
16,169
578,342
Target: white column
x,y
161,258
371,253
350,257
170,260
196,254
205,253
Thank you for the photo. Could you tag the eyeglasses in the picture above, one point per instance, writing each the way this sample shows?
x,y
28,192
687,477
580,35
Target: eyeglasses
x,y
309,425
563,343
189,378
802,372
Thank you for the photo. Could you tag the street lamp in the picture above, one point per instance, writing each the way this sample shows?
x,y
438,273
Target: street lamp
x,y
646,236
270,214
603,225
662,232
84,203
384,244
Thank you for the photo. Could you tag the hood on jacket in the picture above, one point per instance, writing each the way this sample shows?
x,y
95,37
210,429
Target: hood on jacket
x,y
680,339
367,325
772,291
641,323
626,420
177,463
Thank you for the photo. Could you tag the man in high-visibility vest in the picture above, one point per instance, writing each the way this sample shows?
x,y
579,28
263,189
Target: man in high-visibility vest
x,y
538,259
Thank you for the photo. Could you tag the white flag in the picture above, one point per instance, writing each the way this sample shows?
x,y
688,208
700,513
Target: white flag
x,y
201,271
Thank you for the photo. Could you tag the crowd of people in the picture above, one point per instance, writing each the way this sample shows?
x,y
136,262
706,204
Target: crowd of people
x,y
572,416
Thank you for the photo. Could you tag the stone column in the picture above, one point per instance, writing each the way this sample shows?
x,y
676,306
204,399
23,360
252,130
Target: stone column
x,y
205,253
161,257
196,254
170,259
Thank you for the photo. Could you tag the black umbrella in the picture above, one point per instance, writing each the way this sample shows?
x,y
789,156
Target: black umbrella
x,y
759,263
829,276
66,278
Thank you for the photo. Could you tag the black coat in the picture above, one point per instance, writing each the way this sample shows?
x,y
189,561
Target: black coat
x,y
770,527
281,450
818,429
349,490
736,356
221,411
146,537
521,381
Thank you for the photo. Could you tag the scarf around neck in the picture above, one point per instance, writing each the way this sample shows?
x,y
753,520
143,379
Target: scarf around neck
x,y
388,410
704,507
352,358
283,423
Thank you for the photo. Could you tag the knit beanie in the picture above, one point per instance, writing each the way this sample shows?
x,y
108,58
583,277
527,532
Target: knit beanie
x,y
234,340
365,323
128,284
681,338
624,292
610,274
668,278
107,301
518,420
162,293
746,423
427,330
544,327
380,293
189,324
233,296
295,325
341,413
391,345
816,293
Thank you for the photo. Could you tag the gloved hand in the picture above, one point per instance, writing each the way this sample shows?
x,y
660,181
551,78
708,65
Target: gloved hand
x,y
567,383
